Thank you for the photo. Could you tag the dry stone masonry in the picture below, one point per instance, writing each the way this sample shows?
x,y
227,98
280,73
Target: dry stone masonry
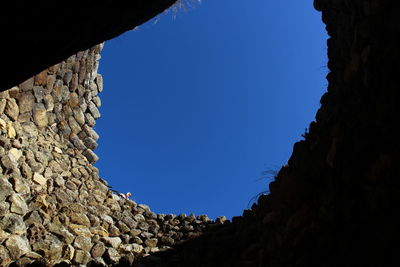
x,y
334,204
53,205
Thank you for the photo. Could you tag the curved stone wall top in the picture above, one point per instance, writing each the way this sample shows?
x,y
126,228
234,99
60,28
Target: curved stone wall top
x,y
53,205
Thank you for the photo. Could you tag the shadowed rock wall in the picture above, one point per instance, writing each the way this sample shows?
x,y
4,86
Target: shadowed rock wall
x,y
334,204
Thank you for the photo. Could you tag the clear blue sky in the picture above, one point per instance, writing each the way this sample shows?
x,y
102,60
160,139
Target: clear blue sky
x,y
197,107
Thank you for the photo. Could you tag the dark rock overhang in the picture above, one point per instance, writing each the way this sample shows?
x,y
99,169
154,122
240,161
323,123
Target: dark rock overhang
x,y
38,34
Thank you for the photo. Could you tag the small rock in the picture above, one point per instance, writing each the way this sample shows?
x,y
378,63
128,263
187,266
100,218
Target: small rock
x,y
16,143
139,218
64,94
53,69
83,243
40,115
152,242
3,125
57,228
11,133
80,230
113,230
50,247
137,248
122,227
4,208
48,102
50,82
93,109
127,259
97,101
74,125
82,101
27,85
135,232
73,100
8,163
90,121
59,181
34,218
107,218
74,82
67,77
3,104
17,246
99,82
77,142
65,129
93,88
113,241
90,132
90,155
13,92
29,129
14,154
99,230
98,250
12,109
131,223
26,102
80,218
69,253
5,258
79,116
41,78
113,255
18,204
39,179
82,257
90,143
39,93
221,220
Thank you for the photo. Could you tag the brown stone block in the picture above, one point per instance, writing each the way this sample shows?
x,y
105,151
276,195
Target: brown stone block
x,y
41,78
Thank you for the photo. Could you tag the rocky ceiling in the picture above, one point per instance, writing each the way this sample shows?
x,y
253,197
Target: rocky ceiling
x,y
38,34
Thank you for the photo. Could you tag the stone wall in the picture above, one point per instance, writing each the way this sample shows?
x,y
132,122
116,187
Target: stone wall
x,y
53,205
334,204
336,201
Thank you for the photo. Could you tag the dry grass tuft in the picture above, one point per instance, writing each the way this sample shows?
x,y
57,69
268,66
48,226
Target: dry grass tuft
x,y
184,5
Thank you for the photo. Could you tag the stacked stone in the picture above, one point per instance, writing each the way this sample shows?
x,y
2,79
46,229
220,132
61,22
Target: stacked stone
x,y
63,98
54,207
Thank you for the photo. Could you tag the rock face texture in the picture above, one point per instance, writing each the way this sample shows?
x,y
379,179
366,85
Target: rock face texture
x,y
334,204
54,207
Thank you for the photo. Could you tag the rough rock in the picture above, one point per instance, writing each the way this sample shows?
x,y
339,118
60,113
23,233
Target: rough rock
x,y
40,115
39,179
18,204
113,241
13,223
83,243
82,257
90,155
17,246
26,102
12,109
98,250
51,247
